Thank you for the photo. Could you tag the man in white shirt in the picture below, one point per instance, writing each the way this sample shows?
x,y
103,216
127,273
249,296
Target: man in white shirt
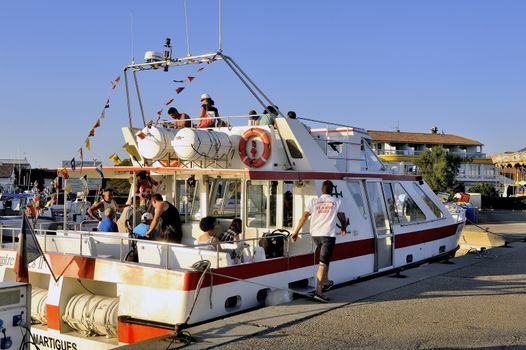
x,y
323,212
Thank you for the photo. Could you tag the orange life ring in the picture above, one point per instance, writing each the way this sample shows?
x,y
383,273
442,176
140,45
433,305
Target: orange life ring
x,y
261,160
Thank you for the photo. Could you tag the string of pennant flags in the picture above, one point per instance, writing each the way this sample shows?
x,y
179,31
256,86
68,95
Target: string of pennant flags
x,y
91,134
180,89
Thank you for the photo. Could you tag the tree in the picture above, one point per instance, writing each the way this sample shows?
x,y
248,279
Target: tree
x,y
439,169
486,190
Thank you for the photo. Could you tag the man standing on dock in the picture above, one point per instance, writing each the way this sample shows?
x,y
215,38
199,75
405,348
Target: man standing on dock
x,y
323,212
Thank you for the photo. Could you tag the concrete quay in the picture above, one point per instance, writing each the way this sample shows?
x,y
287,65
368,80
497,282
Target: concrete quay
x,y
478,302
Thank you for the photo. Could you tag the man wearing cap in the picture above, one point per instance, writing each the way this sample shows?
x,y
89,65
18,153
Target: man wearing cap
x,y
141,229
208,112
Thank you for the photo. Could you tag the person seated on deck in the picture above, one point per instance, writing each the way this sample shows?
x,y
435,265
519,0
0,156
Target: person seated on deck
x,y
136,209
233,232
208,226
140,230
108,224
269,116
170,219
253,118
181,120
209,115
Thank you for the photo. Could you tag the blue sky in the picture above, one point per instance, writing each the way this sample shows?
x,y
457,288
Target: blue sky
x,y
456,64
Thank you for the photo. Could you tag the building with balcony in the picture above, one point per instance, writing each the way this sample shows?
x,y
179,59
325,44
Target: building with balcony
x,y
399,150
511,174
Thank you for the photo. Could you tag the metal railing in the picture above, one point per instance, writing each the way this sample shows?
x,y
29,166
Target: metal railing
x,y
410,152
125,243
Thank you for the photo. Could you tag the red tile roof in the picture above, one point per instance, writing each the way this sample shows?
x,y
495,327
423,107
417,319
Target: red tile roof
x,y
422,138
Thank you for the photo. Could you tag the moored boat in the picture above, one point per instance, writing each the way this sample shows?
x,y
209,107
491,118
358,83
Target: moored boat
x,y
264,174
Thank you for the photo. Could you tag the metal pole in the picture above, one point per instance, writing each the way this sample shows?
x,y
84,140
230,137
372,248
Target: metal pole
x,y
65,228
139,96
134,202
220,25
253,84
128,97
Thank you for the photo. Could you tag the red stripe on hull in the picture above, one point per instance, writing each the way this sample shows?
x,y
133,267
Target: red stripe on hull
x,y
53,316
132,333
342,251
419,237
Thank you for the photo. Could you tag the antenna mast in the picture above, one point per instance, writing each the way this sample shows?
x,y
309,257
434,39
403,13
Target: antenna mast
x,y
186,28
131,34
220,25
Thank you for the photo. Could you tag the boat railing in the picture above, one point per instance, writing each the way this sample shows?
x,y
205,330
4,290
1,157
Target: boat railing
x,y
123,244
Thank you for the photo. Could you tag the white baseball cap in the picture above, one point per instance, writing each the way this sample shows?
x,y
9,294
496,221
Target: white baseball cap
x,y
205,96
146,217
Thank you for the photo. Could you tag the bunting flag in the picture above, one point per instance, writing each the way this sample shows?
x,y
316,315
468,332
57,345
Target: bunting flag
x,y
68,189
91,132
190,78
50,201
178,81
85,187
99,170
107,105
199,70
115,82
115,159
73,164
103,114
97,124
179,89
169,102
88,146
81,153
28,251
63,173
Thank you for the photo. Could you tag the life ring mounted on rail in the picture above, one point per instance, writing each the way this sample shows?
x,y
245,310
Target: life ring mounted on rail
x,y
254,161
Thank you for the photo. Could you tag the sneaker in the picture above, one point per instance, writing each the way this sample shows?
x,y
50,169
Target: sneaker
x,y
321,298
328,286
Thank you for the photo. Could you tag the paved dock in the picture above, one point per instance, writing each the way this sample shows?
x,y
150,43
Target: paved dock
x,y
479,302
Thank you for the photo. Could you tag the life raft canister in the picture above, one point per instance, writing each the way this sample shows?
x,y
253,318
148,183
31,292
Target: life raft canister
x,y
253,161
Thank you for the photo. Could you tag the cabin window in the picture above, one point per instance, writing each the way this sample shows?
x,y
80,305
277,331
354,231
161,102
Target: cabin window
x,y
294,149
356,192
407,209
391,203
273,202
256,205
378,210
225,198
429,202
187,199
288,201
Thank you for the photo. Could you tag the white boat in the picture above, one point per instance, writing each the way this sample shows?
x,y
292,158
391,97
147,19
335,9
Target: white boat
x,y
265,175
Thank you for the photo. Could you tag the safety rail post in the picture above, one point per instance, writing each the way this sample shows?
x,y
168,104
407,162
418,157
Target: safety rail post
x,y
167,257
81,238
217,256
1,236
120,249
45,241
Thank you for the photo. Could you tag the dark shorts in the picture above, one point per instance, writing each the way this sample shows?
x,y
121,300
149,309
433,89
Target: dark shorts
x,y
326,247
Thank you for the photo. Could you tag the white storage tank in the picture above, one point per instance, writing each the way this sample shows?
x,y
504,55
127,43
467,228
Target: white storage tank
x,y
194,144
154,143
